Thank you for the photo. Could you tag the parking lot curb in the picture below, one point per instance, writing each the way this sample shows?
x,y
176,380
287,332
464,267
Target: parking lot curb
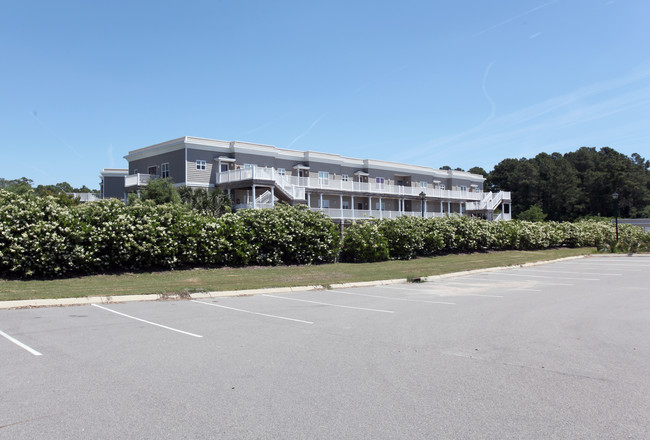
x,y
78,301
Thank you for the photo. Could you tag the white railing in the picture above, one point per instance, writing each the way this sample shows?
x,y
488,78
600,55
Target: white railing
x,y
360,214
250,205
295,191
490,201
137,179
291,183
265,197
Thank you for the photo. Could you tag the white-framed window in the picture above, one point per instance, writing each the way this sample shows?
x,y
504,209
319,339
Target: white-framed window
x,y
135,171
379,182
380,207
345,177
200,165
346,204
248,166
442,186
324,177
326,203
463,188
423,184
152,170
164,170
282,172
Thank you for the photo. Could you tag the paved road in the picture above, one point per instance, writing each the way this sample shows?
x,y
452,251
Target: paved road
x,y
555,351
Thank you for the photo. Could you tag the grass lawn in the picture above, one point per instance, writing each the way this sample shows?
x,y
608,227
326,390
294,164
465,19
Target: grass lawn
x,y
195,280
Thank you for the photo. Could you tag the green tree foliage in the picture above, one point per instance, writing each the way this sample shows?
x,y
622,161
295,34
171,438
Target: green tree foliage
x,y
478,170
576,184
532,214
160,191
18,186
209,202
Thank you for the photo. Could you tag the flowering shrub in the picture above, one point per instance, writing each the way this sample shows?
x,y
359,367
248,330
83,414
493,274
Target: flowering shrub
x,y
408,237
363,242
41,237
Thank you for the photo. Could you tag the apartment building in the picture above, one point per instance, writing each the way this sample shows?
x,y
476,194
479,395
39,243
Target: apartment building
x,y
258,176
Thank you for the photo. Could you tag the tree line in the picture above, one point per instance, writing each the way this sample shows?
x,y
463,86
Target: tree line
x,y
574,185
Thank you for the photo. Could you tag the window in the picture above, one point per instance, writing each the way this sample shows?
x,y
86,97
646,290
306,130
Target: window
x,y
442,186
380,207
224,167
345,177
152,170
326,203
324,177
346,204
379,182
164,170
282,172
423,184
249,166
200,164
463,188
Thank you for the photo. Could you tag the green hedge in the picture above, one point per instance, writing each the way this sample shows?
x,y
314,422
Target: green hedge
x,y
41,238
409,237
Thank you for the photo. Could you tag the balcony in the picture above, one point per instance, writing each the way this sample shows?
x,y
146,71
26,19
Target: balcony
x,y
361,214
137,180
301,184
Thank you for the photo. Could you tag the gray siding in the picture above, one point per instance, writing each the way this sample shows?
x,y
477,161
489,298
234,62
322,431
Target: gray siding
x,y
114,187
176,159
206,176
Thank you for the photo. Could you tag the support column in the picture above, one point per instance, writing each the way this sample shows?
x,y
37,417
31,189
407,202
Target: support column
x,y
309,200
352,205
254,205
341,206
369,206
448,208
380,213
273,196
425,207
441,211
320,201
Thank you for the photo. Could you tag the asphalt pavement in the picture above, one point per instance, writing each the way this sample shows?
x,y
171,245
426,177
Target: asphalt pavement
x,y
556,351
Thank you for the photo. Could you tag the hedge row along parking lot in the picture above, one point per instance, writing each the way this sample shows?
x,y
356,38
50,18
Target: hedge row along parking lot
x,y
40,237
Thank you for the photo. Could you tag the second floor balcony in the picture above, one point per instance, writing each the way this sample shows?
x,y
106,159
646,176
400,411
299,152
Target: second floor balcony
x,y
342,186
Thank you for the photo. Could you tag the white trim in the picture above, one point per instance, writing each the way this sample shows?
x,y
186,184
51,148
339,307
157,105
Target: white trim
x,y
306,156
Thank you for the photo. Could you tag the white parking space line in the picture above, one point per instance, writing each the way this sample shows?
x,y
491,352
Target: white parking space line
x,y
147,322
578,273
252,313
546,276
433,292
392,298
534,281
20,344
328,304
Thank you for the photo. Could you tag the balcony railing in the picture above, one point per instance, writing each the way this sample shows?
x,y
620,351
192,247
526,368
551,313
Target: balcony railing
x,y
360,214
306,183
137,179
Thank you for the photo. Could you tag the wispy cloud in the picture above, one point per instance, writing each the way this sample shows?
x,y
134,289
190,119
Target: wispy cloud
x,y
313,124
581,106
535,35
492,103
516,17
54,134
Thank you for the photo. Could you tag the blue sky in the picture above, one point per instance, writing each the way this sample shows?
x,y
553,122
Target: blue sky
x,y
459,83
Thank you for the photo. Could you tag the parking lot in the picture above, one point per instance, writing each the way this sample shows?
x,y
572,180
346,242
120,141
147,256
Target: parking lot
x,y
552,351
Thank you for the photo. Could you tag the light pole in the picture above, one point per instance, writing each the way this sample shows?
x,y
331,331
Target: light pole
x,y
615,197
422,197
